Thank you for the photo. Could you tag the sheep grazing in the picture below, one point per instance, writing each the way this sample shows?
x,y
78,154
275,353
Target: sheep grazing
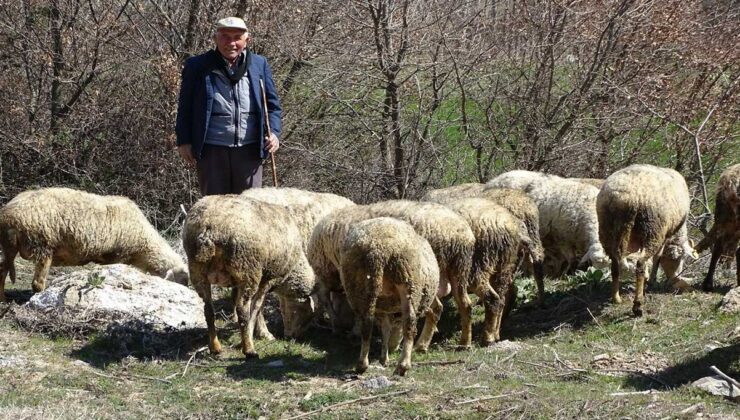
x,y
387,269
447,232
569,227
314,205
309,208
64,227
248,245
642,209
499,236
596,182
725,233
517,203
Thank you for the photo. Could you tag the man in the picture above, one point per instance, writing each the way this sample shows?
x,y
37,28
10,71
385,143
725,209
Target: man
x,y
220,113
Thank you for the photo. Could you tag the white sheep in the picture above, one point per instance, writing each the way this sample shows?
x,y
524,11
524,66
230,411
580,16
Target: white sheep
x,y
309,208
569,227
387,269
642,212
63,227
249,245
447,232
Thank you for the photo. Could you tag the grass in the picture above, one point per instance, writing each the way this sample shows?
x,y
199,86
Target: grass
x,y
562,361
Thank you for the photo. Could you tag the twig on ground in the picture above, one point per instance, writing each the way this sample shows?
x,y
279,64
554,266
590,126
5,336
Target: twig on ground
x,y
202,349
534,364
651,377
506,410
620,394
476,386
150,378
488,398
440,362
725,377
329,407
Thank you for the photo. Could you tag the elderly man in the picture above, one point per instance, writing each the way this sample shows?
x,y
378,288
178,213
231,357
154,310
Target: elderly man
x,y
220,114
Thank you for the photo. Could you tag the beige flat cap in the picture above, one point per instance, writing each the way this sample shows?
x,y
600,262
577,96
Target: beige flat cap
x,y
232,23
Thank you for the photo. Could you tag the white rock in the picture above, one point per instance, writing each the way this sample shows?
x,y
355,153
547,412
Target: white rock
x,y
119,292
731,301
378,382
716,385
12,361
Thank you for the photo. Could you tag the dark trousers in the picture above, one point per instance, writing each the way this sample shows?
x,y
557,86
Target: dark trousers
x,y
229,170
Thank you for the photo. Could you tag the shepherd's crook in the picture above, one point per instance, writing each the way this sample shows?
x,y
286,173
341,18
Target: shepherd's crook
x,y
269,131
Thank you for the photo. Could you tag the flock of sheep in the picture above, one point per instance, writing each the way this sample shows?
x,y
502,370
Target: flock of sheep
x,y
388,262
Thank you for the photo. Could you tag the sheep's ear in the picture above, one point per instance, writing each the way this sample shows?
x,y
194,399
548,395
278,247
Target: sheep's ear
x,y
692,247
170,276
312,304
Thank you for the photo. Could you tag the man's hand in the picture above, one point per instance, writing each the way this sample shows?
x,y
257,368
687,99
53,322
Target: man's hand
x,y
186,153
272,143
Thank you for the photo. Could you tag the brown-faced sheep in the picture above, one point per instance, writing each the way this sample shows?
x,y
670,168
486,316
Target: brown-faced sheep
x,y
447,233
253,246
499,236
309,208
568,223
517,203
725,233
387,269
641,209
63,227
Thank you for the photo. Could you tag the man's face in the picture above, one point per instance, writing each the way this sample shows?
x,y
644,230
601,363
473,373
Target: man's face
x,y
230,42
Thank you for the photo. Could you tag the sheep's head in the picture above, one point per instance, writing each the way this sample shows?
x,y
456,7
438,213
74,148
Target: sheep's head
x,y
597,256
297,315
178,275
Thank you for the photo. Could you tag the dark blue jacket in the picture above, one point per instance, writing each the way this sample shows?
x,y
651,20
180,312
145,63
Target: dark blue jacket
x,y
196,100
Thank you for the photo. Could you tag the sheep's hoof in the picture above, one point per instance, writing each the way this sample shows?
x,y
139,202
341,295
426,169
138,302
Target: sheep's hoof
x,y
616,299
637,310
251,354
707,287
421,349
37,288
401,370
361,367
215,348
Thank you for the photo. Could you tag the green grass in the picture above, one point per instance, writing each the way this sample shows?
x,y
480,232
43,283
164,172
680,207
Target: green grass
x,y
563,361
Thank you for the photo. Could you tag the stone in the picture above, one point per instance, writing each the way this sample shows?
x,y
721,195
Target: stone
x,y
731,301
378,382
717,385
119,293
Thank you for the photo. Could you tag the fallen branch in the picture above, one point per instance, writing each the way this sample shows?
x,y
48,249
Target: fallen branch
x,y
440,362
652,378
202,349
620,394
343,403
725,377
488,398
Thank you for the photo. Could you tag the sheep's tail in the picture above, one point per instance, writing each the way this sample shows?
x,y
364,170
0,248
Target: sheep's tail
x,y
206,248
9,245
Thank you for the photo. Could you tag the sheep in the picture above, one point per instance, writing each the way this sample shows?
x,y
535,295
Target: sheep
x,y
725,233
517,203
568,222
499,236
249,245
65,227
311,207
596,182
642,211
386,269
448,233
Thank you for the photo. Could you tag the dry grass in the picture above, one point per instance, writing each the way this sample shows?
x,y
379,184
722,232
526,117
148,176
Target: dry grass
x,y
578,357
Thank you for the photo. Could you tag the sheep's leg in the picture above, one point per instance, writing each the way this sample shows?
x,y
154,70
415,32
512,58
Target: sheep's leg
x,y
408,316
539,278
653,279
366,333
708,285
490,299
234,293
639,288
615,280
395,337
465,309
386,329
430,325
205,293
255,307
260,330
737,265
39,276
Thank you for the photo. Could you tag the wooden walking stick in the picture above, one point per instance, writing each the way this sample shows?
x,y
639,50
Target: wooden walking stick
x,y
269,131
